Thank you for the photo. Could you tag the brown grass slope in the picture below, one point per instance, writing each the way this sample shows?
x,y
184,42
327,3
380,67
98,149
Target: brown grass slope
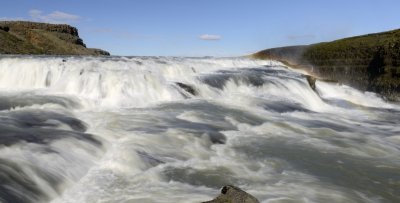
x,y
21,37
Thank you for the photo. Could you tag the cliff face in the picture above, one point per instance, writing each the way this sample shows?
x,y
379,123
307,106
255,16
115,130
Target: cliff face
x,y
369,62
21,37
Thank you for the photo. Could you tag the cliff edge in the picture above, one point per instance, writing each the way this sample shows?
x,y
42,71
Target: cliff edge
x,y
368,62
23,37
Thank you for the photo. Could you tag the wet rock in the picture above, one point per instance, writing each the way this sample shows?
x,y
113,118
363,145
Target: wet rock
x,y
232,194
187,88
311,81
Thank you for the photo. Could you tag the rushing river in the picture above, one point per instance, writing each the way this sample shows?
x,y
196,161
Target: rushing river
x,y
160,129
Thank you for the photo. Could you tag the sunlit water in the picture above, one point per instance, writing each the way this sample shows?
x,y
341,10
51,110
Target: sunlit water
x,y
153,129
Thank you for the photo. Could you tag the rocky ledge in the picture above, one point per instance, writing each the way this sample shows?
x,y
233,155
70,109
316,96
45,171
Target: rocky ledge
x,y
368,62
22,37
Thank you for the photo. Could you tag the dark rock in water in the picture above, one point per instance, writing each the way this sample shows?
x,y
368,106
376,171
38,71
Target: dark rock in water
x,y
187,88
311,81
216,137
232,194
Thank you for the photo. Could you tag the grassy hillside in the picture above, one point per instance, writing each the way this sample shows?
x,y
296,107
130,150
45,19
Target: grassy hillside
x,y
19,37
10,44
369,62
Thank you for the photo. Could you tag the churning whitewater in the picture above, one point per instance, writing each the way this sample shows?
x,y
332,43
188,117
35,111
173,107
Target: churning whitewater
x,y
166,129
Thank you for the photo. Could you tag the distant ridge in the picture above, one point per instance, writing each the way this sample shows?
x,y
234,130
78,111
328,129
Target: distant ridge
x,y
23,37
369,62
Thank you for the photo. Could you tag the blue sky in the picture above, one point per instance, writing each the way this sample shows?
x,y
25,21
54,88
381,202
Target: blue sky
x,y
208,27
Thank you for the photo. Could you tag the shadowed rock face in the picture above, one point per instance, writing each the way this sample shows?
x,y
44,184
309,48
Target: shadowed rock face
x,y
369,62
22,37
5,28
232,194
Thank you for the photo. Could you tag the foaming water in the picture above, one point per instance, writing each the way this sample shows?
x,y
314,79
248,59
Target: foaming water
x,y
160,129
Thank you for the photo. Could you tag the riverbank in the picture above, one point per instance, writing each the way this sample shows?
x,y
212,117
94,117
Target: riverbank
x,y
368,62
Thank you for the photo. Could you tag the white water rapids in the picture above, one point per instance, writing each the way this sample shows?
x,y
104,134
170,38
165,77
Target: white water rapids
x,y
166,129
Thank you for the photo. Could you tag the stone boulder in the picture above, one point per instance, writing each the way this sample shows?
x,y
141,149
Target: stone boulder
x,y
232,194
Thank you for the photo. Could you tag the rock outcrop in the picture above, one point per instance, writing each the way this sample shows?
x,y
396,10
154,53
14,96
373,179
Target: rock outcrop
x,y
22,37
232,194
5,28
369,62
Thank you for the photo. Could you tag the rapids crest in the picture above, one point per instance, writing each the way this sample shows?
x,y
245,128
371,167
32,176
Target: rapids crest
x,y
170,129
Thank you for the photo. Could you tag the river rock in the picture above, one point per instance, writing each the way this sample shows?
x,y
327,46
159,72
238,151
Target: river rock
x,y
232,194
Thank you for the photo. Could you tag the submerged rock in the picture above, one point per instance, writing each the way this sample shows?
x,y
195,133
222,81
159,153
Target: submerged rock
x,y
311,81
187,88
232,194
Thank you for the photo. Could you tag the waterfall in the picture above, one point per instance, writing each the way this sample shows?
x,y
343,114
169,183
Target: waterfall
x,y
175,129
